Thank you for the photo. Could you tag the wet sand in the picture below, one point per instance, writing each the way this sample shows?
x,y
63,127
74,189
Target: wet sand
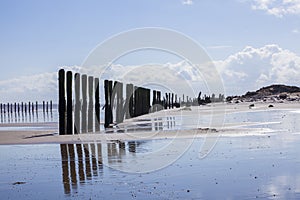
x,y
39,133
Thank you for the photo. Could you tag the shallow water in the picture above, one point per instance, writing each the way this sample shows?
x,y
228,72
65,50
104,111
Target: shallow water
x,y
265,166
240,167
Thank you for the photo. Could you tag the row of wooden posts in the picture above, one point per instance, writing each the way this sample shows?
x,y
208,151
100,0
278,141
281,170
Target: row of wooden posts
x,y
24,107
82,114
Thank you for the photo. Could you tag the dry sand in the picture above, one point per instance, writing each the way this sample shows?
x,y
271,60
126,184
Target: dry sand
x,y
37,133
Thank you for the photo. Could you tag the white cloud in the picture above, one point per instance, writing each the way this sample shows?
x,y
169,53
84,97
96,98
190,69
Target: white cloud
x,y
187,2
277,8
295,31
253,68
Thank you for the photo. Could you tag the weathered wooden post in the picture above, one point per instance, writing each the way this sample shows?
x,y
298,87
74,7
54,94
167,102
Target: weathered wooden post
x,y
169,101
97,105
148,101
32,107
172,101
69,104
1,107
77,104
36,106
8,107
159,100
25,107
22,107
91,104
154,101
84,103
15,107
47,104
44,105
129,101
118,94
29,107
4,108
61,102
108,109
51,106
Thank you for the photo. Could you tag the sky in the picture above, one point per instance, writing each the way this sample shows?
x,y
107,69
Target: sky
x,y
253,43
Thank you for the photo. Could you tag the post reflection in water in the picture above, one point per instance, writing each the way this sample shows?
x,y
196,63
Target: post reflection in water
x,y
83,162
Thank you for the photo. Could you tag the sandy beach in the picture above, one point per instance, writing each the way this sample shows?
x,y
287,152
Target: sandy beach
x,y
39,133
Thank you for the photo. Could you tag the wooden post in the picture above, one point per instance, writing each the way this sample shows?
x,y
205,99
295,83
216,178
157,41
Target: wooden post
x,y
129,101
172,102
51,106
84,103
159,100
118,93
69,104
47,104
32,107
91,104
22,107
44,106
8,107
108,110
154,101
77,104
15,107
1,107
36,106
97,105
25,107
61,102
29,107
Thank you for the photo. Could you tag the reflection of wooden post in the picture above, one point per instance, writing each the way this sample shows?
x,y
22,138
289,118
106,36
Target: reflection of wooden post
x,y
91,105
72,165
129,101
77,104
65,167
69,104
97,105
84,103
80,162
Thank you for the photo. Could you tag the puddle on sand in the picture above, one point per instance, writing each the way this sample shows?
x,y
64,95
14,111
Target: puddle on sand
x,y
237,168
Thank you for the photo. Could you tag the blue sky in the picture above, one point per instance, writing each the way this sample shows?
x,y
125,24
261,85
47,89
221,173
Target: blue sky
x,y
39,36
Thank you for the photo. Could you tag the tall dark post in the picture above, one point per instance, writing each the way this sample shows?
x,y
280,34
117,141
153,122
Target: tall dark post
x,y
51,106
169,101
47,104
69,104
148,104
32,107
61,102
29,107
118,93
91,104
154,101
22,107
15,107
77,104
25,107
172,101
1,107
159,100
44,103
108,109
129,101
97,105
8,107
36,106
84,103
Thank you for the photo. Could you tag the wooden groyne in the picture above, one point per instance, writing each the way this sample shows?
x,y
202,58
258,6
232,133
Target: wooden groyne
x,y
24,111
79,102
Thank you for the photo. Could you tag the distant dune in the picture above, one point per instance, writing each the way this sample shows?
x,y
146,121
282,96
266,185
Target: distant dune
x,y
273,93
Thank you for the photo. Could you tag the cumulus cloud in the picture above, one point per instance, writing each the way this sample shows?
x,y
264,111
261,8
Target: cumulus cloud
x,y
187,2
253,68
278,8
